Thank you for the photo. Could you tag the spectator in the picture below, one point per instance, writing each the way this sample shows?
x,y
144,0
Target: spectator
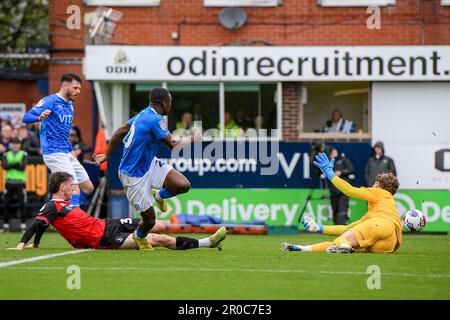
x,y
5,138
378,163
231,128
242,120
186,124
5,120
30,142
259,122
14,162
339,201
339,124
198,112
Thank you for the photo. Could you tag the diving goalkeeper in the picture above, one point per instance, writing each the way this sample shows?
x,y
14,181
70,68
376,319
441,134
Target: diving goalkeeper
x,y
379,230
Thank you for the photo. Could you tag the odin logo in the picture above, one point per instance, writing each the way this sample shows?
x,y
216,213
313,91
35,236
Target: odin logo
x,y
120,64
442,160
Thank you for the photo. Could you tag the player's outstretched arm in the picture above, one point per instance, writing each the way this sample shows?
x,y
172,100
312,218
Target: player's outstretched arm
x,y
115,140
346,188
37,229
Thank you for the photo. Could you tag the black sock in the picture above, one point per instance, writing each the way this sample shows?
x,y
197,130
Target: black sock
x,y
185,243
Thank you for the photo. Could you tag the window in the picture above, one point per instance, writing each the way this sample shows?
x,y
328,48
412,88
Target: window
x,y
194,102
355,3
128,3
335,109
241,106
241,3
250,106
445,2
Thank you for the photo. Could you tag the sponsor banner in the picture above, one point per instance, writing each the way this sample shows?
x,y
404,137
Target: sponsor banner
x,y
294,63
283,207
261,164
435,204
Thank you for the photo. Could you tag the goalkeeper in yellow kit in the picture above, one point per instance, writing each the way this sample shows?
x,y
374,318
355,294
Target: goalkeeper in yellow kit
x,y
379,230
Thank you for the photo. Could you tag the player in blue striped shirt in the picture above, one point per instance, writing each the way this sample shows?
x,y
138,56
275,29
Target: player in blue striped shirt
x,y
55,112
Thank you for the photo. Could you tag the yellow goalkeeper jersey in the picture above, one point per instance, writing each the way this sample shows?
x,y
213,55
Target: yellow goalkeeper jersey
x,y
380,202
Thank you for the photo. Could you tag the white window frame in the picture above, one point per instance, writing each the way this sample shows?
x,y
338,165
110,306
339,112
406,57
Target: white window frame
x,y
242,3
445,2
355,3
123,3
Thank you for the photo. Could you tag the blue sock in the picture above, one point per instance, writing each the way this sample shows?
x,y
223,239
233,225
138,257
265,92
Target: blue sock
x,y
140,234
75,200
165,194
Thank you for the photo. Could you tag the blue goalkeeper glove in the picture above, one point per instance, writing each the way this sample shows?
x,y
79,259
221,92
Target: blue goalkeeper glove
x,y
310,225
325,165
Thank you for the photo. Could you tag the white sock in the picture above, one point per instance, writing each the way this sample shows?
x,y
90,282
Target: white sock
x,y
306,248
202,243
157,196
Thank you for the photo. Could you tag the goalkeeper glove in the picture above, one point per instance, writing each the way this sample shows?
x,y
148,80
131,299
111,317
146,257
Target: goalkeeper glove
x,y
325,165
311,226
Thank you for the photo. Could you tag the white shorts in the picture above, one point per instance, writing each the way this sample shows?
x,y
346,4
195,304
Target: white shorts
x,y
139,189
66,162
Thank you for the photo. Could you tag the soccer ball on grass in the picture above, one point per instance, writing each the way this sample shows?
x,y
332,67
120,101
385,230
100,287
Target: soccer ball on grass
x,y
414,220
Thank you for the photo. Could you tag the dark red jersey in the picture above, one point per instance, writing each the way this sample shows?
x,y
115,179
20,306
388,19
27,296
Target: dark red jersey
x,y
73,224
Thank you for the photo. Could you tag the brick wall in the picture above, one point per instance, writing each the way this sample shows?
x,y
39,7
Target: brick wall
x,y
291,111
19,91
296,22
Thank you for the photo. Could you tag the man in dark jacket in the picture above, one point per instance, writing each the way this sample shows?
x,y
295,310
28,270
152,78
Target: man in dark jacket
x,y
378,163
339,201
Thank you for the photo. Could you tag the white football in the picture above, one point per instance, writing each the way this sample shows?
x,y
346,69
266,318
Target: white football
x,y
414,220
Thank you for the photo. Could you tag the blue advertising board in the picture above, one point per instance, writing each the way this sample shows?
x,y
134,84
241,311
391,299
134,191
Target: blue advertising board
x,y
247,164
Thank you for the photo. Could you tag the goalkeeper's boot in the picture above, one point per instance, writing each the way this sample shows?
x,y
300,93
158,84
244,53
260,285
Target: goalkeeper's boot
x,y
341,248
217,238
285,246
142,243
162,204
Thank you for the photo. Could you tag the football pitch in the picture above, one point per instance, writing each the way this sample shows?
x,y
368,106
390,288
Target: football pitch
x,y
248,267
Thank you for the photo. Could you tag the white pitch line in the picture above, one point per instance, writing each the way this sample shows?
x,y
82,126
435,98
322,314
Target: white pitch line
x,y
47,256
239,270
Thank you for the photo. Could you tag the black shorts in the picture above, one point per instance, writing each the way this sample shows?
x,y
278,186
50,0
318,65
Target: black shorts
x,y
117,231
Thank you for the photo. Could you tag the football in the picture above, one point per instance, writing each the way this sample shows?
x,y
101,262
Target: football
x,y
414,220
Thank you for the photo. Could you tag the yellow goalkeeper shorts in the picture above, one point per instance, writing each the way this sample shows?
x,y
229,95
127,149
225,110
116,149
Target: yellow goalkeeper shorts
x,y
376,235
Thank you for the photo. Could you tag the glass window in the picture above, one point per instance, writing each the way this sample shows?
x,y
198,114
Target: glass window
x,y
335,107
194,102
445,2
241,3
355,3
249,105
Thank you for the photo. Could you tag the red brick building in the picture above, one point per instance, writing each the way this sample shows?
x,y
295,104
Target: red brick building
x,y
291,23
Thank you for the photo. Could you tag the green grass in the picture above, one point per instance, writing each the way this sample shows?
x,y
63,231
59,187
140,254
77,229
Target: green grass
x,y
249,267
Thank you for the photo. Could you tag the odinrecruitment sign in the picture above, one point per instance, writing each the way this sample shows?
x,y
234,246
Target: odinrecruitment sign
x,y
360,63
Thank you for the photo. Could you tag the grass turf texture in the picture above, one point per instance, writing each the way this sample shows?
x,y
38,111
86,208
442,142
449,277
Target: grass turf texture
x,y
249,267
